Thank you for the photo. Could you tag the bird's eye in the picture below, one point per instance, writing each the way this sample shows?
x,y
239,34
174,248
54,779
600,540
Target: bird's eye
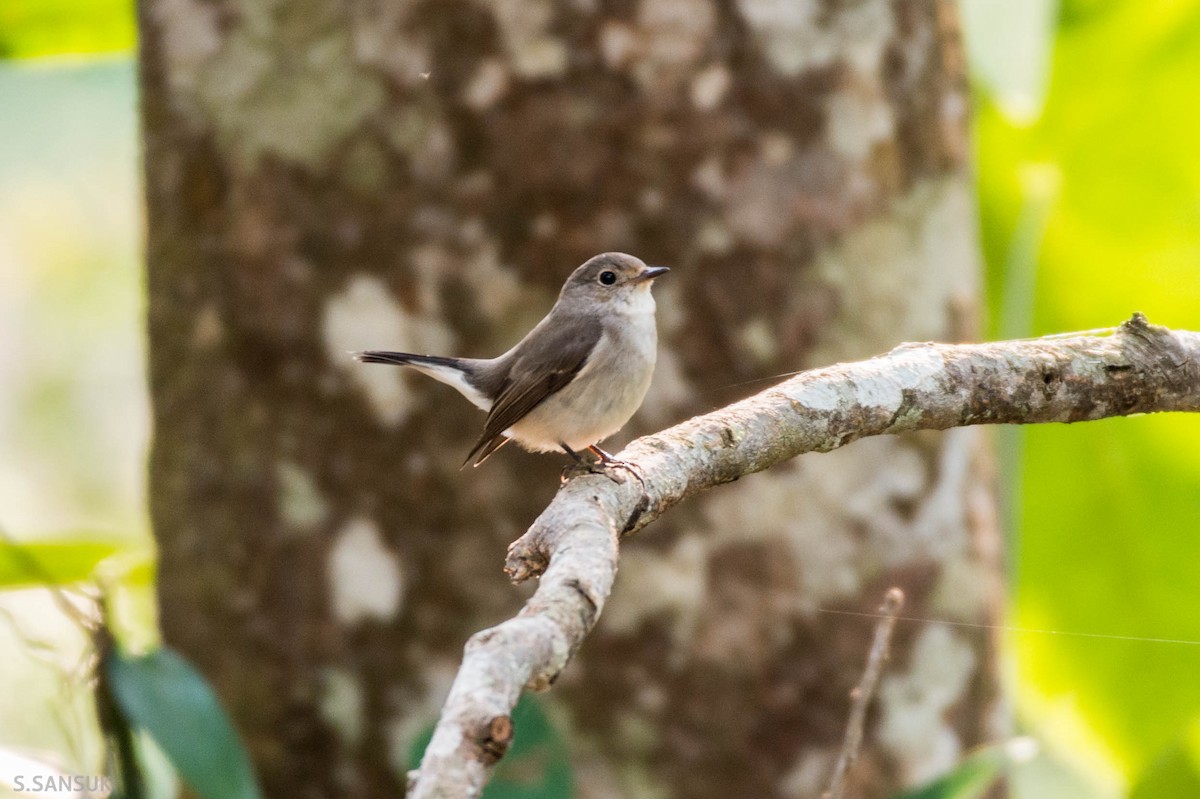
x,y
608,278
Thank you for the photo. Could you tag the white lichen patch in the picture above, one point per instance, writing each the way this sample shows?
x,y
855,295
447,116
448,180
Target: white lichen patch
x,y
902,272
525,29
776,147
364,316
654,584
865,30
365,579
796,35
890,474
940,530
879,392
341,704
805,513
961,591
487,86
710,87
848,516
652,200
758,198
709,177
618,44
758,340
819,396
857,118
809,775
544,225
651,698
207,330
300,502
673,37
885,476
382,38
275,90
189,34
788,32
497,289
913,725
421,135
767,197
714,237
918,366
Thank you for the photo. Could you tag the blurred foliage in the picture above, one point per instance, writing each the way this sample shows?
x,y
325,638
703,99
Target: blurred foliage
x,y
37,28
73,413
162,693
1175,773
971,779
158,694
70,559
73,420
1090,210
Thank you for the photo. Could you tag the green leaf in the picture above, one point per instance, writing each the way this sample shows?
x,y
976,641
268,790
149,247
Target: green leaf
x,y
37,28
971,779
162,694
537,765
26,564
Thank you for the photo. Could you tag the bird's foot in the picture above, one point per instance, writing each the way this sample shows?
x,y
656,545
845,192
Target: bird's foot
x,y
575,469
605,464
610,464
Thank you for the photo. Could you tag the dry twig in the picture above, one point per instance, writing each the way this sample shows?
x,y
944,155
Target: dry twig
x,y
860,697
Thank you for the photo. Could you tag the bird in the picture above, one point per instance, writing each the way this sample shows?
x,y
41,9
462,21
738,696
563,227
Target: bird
x,y
575,379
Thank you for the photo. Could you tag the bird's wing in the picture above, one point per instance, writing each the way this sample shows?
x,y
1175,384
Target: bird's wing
x,y
547,362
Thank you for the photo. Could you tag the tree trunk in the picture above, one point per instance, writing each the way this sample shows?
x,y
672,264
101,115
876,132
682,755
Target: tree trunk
x,y
326,176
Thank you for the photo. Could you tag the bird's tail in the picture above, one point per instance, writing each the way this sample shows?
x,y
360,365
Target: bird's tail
x,y
459,373
407,359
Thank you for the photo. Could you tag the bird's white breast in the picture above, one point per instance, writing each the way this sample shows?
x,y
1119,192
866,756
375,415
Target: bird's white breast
x,y
606,392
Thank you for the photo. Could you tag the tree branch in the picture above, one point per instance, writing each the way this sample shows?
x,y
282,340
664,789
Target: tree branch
x,y
573,545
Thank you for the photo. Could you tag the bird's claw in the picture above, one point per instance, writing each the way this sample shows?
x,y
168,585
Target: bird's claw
x,y
604,464
609,464
611,467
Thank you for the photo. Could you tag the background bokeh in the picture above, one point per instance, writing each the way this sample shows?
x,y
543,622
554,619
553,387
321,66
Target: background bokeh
x,y
1086,131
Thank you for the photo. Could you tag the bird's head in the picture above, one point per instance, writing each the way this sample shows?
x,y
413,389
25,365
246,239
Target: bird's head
x,y
611,278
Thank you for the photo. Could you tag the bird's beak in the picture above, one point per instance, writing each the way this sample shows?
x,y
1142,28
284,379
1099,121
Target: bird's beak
x,y
650,273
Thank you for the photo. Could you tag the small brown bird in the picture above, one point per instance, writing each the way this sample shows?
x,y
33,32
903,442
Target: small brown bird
x,y
576,378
